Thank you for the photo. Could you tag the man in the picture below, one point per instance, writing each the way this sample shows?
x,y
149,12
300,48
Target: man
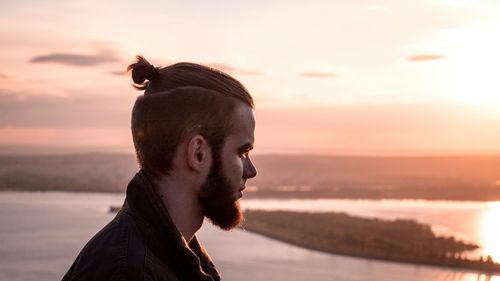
x,y
193,130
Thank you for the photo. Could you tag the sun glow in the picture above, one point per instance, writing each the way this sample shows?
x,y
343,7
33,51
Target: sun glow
x,y
476,67
491,230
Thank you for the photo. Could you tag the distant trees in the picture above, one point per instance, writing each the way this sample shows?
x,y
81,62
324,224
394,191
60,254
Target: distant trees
x,y
85,172
281,176
339,233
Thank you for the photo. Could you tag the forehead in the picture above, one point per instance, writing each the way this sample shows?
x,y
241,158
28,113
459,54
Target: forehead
x,y
243,125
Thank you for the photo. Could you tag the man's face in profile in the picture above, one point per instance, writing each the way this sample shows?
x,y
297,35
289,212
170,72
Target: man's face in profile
x,y
218,201
222,189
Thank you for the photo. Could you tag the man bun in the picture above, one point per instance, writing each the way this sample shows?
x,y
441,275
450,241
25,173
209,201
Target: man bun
x,y
142,70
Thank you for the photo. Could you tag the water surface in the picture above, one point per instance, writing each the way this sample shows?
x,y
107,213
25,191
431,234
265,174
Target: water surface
x,y
42,233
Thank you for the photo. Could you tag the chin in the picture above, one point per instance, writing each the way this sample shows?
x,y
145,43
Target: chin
x,y
228,217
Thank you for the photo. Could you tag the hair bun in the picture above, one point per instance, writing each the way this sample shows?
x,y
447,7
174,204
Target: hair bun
x,y
142,70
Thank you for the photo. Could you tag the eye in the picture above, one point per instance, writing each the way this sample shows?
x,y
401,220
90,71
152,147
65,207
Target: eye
x,y
244,154
244,151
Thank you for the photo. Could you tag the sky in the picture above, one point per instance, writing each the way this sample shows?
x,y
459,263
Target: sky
x,y
328,77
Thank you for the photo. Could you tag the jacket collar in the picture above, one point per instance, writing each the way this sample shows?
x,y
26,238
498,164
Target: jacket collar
x,y
189,261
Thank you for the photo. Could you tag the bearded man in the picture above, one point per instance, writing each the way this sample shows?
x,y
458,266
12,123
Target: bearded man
x,y
193,130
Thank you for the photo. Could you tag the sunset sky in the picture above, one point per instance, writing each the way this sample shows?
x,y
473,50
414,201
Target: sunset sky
x,y
329,77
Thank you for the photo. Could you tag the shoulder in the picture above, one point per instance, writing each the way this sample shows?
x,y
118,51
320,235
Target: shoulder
x,y
105,256
120,251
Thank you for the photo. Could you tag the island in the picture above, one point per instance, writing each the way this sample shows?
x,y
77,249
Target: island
x,y
398,240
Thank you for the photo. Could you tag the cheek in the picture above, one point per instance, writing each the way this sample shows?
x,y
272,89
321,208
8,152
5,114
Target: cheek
x,y
237,168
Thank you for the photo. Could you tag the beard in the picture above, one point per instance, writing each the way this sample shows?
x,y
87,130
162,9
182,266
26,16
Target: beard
x,y
217,199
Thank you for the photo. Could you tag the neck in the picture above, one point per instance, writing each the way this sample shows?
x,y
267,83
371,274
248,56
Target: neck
x,y
182,205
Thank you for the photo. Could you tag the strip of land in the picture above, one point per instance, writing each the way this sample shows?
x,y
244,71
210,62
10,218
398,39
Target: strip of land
x,y
338,233
280,176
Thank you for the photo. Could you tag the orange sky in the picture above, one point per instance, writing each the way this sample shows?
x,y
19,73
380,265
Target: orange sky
x,y
336,77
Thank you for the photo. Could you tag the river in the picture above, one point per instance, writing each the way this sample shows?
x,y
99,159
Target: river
x,y
42,232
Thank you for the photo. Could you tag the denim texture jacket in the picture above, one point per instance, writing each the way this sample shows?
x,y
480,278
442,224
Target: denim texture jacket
x,y
142,243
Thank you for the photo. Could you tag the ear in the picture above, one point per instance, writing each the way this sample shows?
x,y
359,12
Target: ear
x,y
197,153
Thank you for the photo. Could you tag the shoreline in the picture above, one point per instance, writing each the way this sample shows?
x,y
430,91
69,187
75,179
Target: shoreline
x,y
252,195
291,228
450,267
282,176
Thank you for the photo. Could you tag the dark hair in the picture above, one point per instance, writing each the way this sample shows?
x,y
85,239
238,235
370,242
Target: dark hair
x,y
179,100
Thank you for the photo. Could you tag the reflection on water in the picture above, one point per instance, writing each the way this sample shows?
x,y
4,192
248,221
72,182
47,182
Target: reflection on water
x,y
42,232
491,230
471,221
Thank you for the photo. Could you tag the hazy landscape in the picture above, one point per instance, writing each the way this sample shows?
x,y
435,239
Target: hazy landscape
x,y
342,91
467,178
470,178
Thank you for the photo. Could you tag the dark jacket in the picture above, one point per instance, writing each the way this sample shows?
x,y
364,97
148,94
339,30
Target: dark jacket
x,y
142,243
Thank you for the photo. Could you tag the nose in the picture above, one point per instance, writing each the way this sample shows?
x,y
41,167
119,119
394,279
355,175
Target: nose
x,y
249,170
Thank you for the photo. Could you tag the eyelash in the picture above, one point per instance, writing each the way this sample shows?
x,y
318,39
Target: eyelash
x,y
244,154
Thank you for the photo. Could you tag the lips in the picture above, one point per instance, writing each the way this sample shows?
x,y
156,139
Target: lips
x,y
243,186
240,191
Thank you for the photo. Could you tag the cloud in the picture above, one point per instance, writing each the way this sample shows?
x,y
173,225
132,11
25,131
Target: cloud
x,y
425,57
3,76
318,75
20,109
16,139
118,72
102,57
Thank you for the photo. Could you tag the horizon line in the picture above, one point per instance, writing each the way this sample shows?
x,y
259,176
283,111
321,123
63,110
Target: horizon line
x,y
89,150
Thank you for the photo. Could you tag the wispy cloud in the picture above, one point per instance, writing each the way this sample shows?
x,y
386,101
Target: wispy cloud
x,y
118,72
20,109
425,57
56,140
102,57
319,75
3,76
